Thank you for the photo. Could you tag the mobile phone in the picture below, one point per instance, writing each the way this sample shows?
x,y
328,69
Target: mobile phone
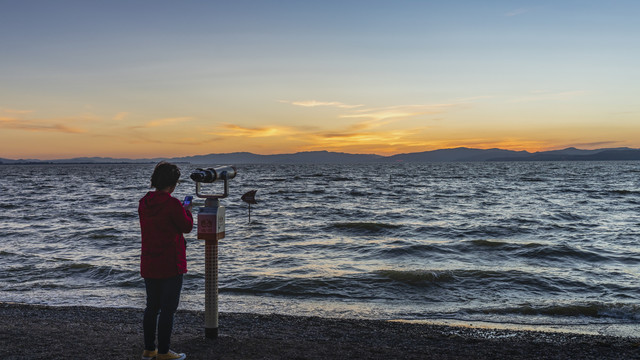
x,y
187,200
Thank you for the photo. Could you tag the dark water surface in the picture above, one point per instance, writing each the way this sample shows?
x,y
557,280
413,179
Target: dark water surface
x,y
555,244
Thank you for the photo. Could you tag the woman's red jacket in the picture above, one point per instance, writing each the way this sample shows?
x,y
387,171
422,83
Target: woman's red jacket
x,y
163,220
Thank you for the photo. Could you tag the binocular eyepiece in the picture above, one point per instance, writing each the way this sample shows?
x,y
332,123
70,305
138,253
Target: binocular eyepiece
x,y
214,174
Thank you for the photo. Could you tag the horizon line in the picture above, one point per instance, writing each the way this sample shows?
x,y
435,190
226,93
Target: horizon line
x,y
308,151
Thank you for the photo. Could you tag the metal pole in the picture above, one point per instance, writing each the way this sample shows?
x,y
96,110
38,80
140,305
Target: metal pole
x,y
211,289
211,228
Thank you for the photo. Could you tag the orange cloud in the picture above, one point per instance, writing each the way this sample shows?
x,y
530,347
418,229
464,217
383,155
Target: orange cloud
x,y
395,137
166,121
398,111
378,116
37,125
254,132
314,103
120,116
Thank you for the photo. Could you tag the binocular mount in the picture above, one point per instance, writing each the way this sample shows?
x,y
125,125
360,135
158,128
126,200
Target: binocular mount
x,y
211,175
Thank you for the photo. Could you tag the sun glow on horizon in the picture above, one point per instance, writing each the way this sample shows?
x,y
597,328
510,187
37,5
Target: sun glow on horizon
x,y
359,130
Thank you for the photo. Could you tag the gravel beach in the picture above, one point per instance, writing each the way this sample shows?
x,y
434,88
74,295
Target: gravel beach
x,y
41,332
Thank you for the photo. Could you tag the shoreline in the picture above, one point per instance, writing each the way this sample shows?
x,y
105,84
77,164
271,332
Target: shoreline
x,y
46,332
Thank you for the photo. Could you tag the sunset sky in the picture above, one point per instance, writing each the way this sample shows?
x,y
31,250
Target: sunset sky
x,y
162,78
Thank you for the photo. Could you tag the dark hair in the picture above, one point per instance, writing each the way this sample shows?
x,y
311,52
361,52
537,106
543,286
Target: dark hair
x,y
165,175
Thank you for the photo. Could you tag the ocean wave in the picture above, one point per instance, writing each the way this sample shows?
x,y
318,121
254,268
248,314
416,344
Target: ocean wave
x,y
69,273
358,193
414,250
477,281
101,233
541,251
476,232
119,215
363,228
533,179
430,231
95,271
289,191
564,216
339,178
418,277
623,192
618,311
493,231
563,252
302,287
497,244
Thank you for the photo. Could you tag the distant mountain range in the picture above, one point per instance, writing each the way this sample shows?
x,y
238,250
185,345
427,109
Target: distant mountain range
x,y
444,155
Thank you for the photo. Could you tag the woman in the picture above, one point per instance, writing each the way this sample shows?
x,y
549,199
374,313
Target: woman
x,y
163,220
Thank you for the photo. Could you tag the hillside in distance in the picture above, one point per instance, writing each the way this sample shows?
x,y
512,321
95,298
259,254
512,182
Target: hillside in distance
x,y
326,157
443,155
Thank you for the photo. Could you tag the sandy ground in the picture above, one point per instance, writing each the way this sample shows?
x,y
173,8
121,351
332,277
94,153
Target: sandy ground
x,y
40,332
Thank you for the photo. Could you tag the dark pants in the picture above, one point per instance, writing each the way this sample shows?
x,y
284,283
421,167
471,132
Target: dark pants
x,y
163,296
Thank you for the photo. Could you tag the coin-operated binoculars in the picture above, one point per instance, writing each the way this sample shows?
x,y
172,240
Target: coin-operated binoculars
x,y
211,219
